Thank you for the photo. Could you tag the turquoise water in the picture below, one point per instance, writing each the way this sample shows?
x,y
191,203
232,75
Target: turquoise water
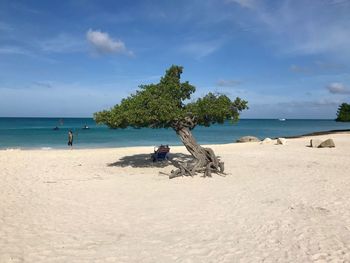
x,y
39,133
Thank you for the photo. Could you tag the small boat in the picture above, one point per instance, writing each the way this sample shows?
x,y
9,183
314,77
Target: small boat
x,y
86,127
56,128
281,119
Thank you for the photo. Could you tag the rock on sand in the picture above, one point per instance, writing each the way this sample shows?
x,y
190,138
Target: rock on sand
x,y
329,143
266,140
281,141
248,139
314,143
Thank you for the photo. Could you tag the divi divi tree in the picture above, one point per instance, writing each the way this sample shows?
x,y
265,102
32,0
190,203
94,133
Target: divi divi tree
x,y
167,104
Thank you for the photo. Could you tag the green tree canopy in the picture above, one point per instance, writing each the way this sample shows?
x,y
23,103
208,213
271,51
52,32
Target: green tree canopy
x,y
343,113
163,105
168,104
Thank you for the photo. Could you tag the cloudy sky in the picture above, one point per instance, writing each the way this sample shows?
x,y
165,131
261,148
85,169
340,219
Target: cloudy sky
x,y
289,59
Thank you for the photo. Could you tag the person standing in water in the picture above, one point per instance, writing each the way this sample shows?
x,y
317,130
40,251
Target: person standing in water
x,y
70,138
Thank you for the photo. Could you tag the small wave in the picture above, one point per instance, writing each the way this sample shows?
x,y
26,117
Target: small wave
x,y
12,149
46,148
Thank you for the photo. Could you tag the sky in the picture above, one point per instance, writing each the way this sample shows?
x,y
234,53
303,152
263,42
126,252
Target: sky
x,y
287,58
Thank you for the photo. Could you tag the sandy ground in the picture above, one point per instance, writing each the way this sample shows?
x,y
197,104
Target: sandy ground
x,y
278,203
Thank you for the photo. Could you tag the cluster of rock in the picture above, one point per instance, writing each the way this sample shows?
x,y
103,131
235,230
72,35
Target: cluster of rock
x,y
281,141
266,140
248,139
316,143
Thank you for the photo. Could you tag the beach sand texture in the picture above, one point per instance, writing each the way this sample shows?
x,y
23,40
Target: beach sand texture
x,y
278,203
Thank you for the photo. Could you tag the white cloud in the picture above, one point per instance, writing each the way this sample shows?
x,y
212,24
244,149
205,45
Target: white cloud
x,y
104,44
43,84
245,3
297,27
201,49
322,39
38,100
268,107
299,69
323,65
21,51
318,67
63,43
322,102
13,50
338,88
228,82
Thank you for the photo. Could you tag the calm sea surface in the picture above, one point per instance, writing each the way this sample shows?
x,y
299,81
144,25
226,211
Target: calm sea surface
x,y
39,133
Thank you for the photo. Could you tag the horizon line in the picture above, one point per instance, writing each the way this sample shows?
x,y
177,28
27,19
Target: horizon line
x,y
72,117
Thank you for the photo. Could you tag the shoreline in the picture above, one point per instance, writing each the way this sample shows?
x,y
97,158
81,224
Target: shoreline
x,y
342,131
48,148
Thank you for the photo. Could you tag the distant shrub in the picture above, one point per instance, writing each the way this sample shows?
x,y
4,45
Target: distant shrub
x,y
343,113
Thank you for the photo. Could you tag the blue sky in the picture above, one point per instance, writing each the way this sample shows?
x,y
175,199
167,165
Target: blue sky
x,y
289,59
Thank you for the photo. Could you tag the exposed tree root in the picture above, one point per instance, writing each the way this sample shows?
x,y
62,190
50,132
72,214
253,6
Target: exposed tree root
x,y
205,160
207,165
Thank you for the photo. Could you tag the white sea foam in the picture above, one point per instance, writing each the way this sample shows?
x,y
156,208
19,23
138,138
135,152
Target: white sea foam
x,y
12,149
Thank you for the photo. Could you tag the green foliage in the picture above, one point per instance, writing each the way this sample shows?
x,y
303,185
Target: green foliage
x,y
215,108
343,113
163,105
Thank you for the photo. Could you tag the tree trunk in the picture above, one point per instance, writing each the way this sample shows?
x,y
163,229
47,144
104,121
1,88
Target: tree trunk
x,y
205,159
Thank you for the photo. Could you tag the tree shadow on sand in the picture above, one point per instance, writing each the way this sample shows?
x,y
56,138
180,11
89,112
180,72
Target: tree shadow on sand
x,y
144,160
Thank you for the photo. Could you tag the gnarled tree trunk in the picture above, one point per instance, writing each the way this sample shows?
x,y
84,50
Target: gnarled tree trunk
x,y
205,160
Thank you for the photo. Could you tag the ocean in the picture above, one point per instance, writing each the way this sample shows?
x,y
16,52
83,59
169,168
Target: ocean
x,y
27,133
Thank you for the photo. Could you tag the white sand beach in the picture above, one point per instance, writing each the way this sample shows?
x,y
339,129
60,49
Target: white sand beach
x,y
278,203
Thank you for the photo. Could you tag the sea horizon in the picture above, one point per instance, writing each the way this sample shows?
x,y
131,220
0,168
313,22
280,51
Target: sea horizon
x,y
52,132
75,117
